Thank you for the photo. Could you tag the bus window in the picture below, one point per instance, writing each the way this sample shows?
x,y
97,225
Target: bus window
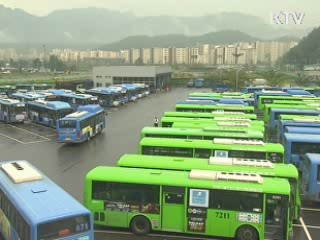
x,y
220,153
305,147
244,154
64,227
202,153
167,151
318,173
237,201
174,198
67,124
199,137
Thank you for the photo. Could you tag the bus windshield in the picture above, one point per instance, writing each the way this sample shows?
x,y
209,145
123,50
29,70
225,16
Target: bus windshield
x,y
67,124
63,227
17,109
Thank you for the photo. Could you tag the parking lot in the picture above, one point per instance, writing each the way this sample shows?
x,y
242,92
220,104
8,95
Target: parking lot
x,y
68,164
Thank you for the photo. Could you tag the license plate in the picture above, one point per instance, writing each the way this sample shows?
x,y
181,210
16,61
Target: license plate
x,y
67,139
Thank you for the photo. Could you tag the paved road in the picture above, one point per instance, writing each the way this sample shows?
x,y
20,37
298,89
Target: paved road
x,y
68,164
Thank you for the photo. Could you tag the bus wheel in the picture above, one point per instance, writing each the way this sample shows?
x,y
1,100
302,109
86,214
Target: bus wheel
x,y
140,225
247,233
89,136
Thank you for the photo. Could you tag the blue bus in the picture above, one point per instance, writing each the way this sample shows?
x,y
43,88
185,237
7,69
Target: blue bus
x,y
297,123
41,87
26,97
81,125
130,89
276,112
25,87
77,99
47,112
33,207
106,96
121,93
6,90
12,110
310,177
296,145
199,83
303,130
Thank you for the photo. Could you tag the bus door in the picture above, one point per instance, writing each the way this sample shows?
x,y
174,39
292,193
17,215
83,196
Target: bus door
x,y
173,209
276,216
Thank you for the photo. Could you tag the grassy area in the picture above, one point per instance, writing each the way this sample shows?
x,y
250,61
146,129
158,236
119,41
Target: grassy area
x,y
49,78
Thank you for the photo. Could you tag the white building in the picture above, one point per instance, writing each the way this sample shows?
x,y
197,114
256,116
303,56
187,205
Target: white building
x,y
146,55
154,76
229,57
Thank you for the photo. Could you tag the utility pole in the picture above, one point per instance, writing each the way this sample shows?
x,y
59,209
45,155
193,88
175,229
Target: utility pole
x,y
236,55
44,55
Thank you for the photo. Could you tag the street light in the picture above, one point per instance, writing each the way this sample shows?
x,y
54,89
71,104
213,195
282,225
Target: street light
x,y
236,55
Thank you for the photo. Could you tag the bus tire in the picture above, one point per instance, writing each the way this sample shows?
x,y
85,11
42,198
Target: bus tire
x,y
140,225
89,137
247,233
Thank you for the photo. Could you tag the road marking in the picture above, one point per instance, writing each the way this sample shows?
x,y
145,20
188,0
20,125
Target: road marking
x,y
311,209
37,135
11,138
40,141
305,228
308,226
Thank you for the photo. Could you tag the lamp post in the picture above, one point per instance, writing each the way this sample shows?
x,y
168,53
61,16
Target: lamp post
x,y
236,55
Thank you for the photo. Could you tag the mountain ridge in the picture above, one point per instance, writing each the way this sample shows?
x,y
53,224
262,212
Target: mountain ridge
x,y
102,26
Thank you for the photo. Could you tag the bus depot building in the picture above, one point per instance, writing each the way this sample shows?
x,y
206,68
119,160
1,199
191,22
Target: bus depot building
x,y
156,77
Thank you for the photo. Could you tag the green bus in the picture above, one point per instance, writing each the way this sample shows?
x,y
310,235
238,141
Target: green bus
x,y
300,117
269,100
235,205
303,103
216,107
267,109
220,126
264,168
198,133
219,147
221,95
210,115
222,121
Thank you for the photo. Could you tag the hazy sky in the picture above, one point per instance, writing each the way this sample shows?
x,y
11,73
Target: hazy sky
x,y
262,8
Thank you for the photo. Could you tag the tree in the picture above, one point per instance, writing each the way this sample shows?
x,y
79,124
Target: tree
x,y
36,63
139,61
56,64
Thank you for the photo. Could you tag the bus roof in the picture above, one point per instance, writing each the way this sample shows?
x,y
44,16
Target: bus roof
x,y
208,144
294,110
187,164
300,137
83,112
77,95
41,199
306,130
56,105
182,179
214,120
90,108
313,157
210,115
9,101
201,132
